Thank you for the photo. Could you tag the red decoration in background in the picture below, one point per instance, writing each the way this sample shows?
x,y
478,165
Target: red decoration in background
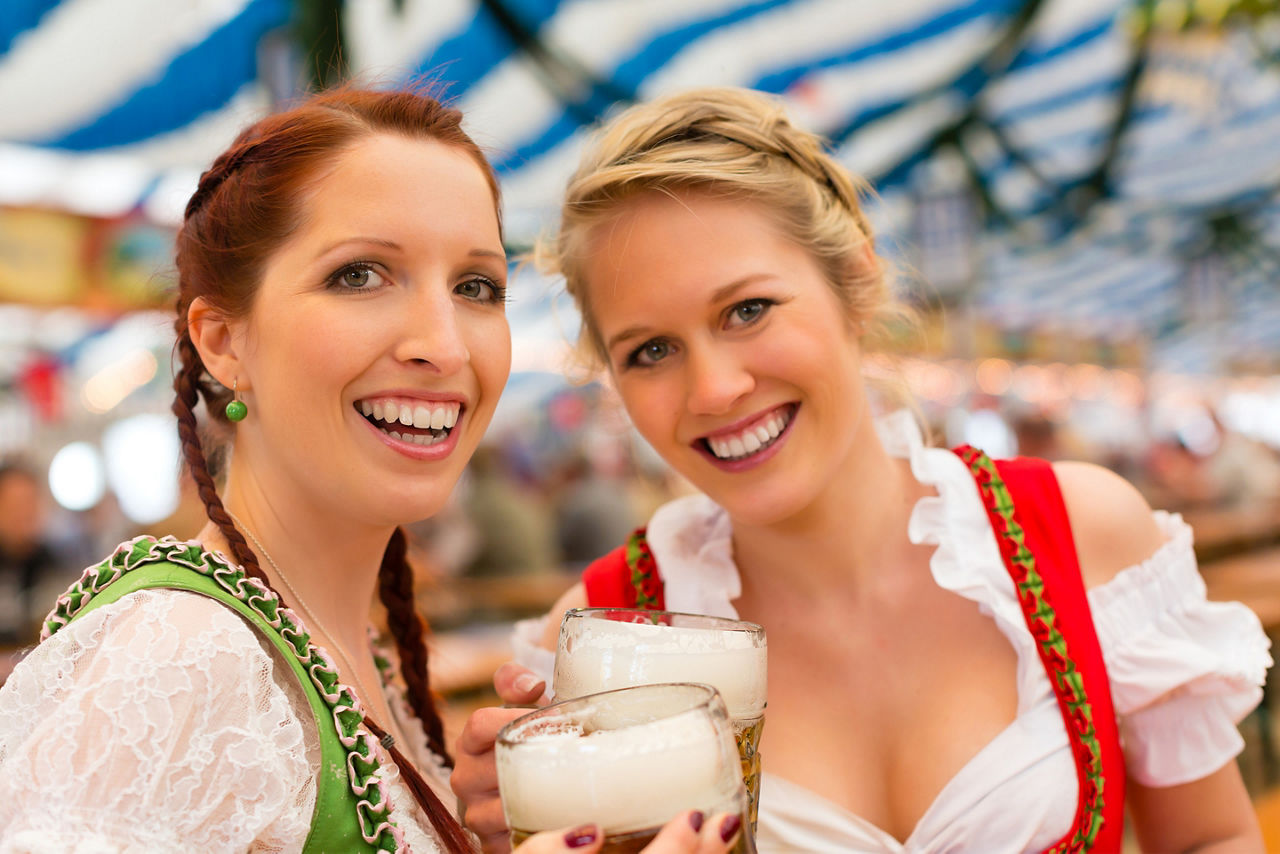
x,y
41,382
567,411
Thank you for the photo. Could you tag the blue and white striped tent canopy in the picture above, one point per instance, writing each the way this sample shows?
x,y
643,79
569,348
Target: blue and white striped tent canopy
x,y
112,105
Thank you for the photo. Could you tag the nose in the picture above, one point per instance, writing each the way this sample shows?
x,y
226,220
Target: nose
x,y
430,333
716,379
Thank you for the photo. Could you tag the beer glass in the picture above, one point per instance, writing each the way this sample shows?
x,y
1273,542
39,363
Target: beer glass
x,y
600,649
629,760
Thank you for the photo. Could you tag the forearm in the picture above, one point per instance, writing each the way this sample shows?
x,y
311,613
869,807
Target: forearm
x,y
1246,842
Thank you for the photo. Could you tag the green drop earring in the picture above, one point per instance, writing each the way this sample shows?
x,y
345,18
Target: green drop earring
x,y
236,409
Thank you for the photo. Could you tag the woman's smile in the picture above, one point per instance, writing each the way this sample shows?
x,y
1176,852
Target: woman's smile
x,y
733,355
749,442
407,291
419,429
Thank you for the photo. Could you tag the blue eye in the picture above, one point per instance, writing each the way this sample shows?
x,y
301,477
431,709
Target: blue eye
x,y
749,311
650,352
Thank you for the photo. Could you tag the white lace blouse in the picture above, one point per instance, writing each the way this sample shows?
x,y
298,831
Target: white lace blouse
x,y
1183,671
164,722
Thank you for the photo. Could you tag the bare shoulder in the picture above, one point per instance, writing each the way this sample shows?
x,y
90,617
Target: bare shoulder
x,y
1110,520
574,597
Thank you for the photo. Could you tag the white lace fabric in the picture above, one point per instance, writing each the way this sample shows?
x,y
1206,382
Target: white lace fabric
x,y
164,722
417,830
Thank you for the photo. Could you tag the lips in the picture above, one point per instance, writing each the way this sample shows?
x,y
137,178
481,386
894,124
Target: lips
x,y
420,422
752,438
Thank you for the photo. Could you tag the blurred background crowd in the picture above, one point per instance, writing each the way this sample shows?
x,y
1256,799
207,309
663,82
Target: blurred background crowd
x,y
1080,196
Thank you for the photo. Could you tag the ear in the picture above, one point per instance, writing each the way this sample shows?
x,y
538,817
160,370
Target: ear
x,y
868,260
216,340
865,266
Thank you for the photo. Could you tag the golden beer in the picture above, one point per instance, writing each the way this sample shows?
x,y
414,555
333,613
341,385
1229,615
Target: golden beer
x,y
746,734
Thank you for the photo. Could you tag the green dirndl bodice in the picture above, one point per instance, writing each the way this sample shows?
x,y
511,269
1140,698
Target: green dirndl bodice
x,y
352,811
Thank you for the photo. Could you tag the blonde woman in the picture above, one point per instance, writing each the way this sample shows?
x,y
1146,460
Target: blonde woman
x,y
964,656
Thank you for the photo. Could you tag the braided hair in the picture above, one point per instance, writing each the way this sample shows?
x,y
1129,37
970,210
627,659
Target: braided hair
x,y
243,209
730,142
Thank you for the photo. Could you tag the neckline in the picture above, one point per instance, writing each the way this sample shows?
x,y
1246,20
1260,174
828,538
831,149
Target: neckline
x,y
1020,738
933,518
367,762
346,659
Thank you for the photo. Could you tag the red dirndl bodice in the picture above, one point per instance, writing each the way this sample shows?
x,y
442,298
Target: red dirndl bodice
x,y
1029,520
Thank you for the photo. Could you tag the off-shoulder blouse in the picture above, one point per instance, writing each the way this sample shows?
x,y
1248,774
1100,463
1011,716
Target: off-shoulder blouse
x,y
1183,670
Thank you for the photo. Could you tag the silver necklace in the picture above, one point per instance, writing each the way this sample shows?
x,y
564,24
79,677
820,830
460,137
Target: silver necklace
x,y
303,605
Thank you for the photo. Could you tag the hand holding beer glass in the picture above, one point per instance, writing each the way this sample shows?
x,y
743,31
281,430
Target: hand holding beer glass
x,y
628,760
601,649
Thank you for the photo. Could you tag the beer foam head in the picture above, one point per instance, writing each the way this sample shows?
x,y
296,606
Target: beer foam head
x,y
620,759
602,654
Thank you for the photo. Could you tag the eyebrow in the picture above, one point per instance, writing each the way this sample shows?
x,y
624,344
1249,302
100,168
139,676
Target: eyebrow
x,y
391,244
719,295
378,241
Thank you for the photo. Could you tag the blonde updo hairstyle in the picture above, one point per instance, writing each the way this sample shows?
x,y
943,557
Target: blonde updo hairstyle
x,y
732,143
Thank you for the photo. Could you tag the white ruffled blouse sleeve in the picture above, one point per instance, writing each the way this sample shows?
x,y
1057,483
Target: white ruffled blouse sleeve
x,y
527,649
156,723
1184,671
691,541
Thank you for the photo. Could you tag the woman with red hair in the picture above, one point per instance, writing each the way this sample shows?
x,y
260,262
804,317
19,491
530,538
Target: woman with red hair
x,y
341,319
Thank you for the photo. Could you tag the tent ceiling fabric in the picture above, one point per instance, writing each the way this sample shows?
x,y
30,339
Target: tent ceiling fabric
x,y
942,103
130,87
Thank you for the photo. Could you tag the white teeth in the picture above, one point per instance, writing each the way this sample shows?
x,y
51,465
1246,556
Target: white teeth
x,y
437,419
441,416
750,440
417,439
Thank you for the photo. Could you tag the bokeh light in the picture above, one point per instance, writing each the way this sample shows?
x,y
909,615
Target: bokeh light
x,y
142,466
76,477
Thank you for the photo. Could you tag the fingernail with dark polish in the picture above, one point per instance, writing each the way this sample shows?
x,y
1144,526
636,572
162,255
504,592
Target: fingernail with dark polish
x,y
580,836
729,827
695,820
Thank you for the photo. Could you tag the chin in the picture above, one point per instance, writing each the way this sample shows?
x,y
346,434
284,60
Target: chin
x,y
760,510
404,507
422,508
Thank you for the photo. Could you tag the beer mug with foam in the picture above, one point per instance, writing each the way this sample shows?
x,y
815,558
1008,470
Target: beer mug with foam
x,y
629,760
600,649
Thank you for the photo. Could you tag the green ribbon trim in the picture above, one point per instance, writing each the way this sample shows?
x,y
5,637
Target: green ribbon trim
x,y
352,805
643,568
1043,621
